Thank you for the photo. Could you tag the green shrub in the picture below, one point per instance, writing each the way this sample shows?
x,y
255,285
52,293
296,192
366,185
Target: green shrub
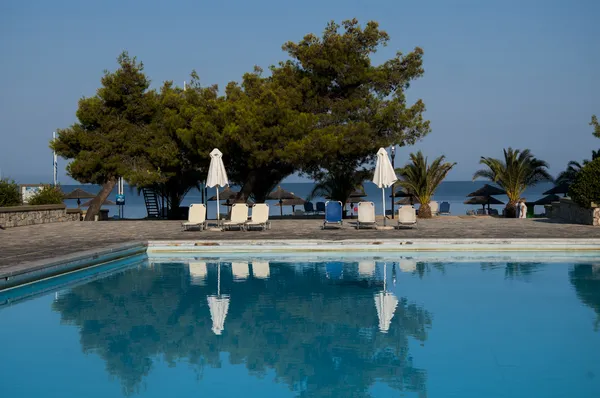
x,y
9,193
48,195
586,188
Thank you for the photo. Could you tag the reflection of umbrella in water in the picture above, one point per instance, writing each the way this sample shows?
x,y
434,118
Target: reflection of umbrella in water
x,y
562,188
291,202
79,194
483,200
218,306
107,202
280,194
385,303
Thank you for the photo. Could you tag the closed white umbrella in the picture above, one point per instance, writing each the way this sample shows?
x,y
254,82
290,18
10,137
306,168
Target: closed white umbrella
x,y
384,175
218,306
217,175
385,303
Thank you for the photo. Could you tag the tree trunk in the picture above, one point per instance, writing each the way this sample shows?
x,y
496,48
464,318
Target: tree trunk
x,y
96,204
510,211
425,211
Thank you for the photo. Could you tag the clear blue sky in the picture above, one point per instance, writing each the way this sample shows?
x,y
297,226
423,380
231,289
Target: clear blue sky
x,y
498,73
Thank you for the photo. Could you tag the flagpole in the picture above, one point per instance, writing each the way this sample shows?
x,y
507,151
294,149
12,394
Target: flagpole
x,y
54,161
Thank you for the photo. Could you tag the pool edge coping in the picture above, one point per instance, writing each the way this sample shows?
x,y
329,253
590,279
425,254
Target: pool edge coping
x,y
31,271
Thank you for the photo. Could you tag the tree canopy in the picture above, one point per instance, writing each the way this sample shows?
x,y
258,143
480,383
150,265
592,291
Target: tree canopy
x,y
324,112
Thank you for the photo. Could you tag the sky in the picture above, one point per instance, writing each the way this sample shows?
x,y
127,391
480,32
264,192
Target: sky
x,y
498,73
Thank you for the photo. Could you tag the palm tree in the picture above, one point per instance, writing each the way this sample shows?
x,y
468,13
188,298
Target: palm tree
x,y
573,168
518,170
340,186
422,180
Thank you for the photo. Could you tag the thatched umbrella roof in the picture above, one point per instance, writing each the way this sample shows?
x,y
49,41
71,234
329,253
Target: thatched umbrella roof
x,y
401,193
232,201
291,202
357,194
225,194
483,200
107,202
546,200
405,201
487,190
280,194
79,193
560,189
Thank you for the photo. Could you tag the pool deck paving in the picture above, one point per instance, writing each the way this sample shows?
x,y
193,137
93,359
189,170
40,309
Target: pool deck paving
x,y
24,245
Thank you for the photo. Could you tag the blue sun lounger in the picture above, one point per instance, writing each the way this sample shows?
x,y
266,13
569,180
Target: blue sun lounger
x,y
333,214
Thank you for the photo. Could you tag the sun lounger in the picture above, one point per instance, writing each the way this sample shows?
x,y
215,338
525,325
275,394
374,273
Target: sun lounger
x,y
435,208
260,217
333,214
444,208
407,216
239,217
320,207
196,217
309,208
366,215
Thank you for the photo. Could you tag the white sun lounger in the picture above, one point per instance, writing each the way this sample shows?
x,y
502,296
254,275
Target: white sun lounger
x,y
239,216
366,215
407,216
260,217
196,217
435,208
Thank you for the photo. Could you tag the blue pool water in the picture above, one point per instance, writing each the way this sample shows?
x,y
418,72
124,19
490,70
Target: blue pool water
x,y
371,327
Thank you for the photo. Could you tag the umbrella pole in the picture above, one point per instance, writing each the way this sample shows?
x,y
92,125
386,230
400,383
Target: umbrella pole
x,y
383,202
280,207
219,280
218,205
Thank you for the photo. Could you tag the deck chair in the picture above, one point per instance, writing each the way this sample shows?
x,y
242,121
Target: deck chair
x,y
260,217
366,215
435,208
320,207
309,208
333,214
407,216
238,218
196,217
445,208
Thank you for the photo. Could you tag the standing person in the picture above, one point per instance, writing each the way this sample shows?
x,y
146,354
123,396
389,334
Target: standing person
x,y
523,209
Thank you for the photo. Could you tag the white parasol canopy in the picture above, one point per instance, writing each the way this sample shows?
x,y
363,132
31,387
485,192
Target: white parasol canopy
x,y
260,269
217,175
384,175
218,306
240,271
385,303
197,273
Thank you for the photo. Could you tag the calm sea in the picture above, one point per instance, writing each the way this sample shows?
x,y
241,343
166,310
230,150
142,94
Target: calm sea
x,y
454,192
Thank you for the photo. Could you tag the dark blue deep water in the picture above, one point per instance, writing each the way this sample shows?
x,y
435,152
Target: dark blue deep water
x,y
325,328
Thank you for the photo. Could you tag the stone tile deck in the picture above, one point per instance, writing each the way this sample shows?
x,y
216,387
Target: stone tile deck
x,y
25,244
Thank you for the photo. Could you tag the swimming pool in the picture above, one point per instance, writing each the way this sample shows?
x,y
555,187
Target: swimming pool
x,y
327,324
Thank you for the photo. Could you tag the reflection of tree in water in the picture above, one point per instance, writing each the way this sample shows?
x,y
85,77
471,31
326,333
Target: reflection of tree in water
x,y
586,280
423,268
515,270
320,338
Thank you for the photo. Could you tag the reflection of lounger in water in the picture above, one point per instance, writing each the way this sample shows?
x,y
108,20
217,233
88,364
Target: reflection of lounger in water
x,y
335,270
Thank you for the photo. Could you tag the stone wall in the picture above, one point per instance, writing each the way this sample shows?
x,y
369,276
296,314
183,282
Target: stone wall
x,y
17,216
567,210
